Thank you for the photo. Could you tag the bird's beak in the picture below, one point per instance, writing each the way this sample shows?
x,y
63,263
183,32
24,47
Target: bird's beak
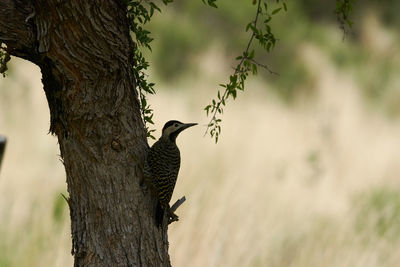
x,y
187,125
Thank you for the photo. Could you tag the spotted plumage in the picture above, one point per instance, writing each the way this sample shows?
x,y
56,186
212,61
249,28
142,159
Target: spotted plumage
x,y
163,163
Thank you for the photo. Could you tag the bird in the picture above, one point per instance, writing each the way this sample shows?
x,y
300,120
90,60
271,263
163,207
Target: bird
x,y
162,168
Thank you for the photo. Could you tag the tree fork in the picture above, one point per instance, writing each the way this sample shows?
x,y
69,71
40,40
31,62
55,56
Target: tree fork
x,y
84,51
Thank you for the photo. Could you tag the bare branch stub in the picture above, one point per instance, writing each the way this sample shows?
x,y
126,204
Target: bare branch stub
x,y
3,142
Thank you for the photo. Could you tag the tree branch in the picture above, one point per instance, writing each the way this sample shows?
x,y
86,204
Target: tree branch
x,y
16,28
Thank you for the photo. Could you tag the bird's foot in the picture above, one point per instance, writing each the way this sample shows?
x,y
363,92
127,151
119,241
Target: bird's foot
x,y
172,217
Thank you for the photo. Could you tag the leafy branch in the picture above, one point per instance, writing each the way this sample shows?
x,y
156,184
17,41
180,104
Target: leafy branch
x,y
139,13
247,64
344,8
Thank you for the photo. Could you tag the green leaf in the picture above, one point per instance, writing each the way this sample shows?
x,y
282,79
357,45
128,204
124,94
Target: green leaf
x,y
265,7
233,79
253,28
276,11
251,56
150,135
148,119
248,26
210,3
254,69
269,46
154,6
144,102
207,109
233,93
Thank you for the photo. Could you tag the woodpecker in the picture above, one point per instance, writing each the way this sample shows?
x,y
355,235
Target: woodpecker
x,y
163,163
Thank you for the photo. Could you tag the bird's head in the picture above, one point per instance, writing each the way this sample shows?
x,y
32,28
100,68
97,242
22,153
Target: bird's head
x,y
172,128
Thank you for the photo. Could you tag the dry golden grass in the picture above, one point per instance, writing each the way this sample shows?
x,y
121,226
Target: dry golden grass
x,y
278,190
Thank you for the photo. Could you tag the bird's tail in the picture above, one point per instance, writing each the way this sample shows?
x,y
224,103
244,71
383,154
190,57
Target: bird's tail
x,y
159,214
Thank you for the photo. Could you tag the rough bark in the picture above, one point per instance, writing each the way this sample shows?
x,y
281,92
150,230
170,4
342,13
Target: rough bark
x,y
84,51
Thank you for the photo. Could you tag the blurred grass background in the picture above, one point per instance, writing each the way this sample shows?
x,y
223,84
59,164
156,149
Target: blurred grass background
x,y
306,172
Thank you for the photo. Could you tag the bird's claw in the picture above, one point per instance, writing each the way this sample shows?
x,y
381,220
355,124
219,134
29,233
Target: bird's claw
x,y
172,217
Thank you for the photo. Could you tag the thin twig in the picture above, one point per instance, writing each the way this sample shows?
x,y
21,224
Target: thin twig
x,y
258,64
66,199
237,70
263,66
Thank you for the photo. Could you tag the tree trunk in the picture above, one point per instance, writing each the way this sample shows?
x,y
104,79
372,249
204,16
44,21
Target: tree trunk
x,y
84,51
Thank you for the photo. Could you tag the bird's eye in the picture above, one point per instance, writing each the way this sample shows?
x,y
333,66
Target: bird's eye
x,y
176,125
